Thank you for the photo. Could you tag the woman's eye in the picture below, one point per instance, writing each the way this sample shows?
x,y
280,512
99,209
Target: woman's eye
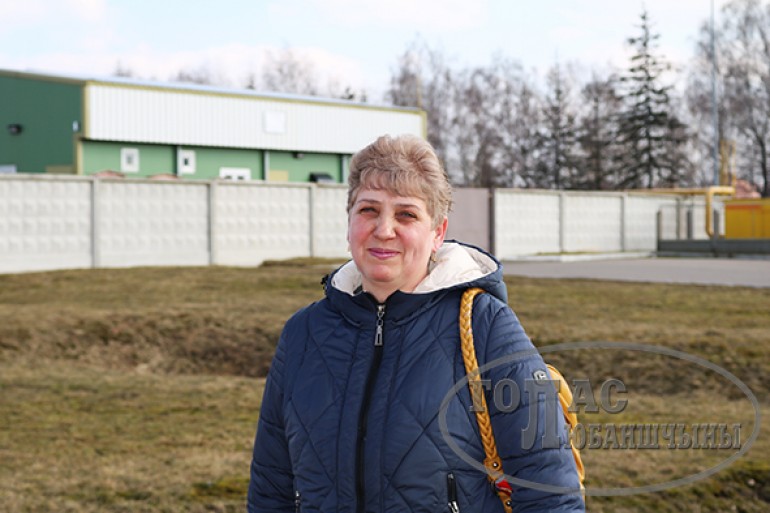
x,y
408,215
365,210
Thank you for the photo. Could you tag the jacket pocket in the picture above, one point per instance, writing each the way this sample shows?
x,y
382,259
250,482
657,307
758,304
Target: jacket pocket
x,y
451,486
297,501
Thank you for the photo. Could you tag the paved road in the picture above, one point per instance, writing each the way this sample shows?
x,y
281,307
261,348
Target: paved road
x,y
705,271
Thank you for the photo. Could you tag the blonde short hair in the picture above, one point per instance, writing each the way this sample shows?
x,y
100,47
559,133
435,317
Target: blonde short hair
x,y
405,165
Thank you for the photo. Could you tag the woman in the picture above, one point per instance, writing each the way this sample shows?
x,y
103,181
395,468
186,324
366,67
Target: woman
x,y
349,419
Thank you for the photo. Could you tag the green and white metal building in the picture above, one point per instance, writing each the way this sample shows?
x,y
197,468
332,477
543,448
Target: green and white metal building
x,y
82,126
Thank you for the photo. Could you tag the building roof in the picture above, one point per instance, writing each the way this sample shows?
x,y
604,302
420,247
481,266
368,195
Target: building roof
x,y
80,79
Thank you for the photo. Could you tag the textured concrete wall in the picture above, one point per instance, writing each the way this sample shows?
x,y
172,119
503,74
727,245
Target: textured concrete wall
x,y
56,222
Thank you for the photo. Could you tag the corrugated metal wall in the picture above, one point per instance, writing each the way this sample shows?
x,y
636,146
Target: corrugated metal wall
x,y
146,115
55,222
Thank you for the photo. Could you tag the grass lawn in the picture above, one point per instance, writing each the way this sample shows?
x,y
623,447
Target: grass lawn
x,y
137,390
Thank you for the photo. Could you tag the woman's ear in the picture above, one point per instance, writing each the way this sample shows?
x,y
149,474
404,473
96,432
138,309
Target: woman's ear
x,y
439,234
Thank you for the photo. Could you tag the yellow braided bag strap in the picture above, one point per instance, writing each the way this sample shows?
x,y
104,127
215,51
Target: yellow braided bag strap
x,y
492,462
565,399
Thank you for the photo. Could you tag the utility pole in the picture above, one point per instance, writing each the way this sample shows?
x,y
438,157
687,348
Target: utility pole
x,y
714,111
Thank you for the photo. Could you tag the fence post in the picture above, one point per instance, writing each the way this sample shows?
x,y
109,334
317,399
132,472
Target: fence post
x,y
562,216
659,225
623,208
312,221
212,230
690,224
491,234
716,222
96,255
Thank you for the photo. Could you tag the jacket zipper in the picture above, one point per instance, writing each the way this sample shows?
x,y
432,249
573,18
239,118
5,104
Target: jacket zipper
x,y
297,501
451,485
362,419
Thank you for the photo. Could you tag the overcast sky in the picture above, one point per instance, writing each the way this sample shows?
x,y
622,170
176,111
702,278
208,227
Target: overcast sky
x,y
355,41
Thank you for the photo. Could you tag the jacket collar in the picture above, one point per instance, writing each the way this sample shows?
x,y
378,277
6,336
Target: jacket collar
x,y
458,266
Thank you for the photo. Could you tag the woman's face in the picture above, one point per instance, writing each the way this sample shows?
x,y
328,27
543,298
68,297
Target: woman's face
x,y
391,239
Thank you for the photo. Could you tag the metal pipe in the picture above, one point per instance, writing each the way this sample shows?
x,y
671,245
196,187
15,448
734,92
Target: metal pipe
x,y
710,193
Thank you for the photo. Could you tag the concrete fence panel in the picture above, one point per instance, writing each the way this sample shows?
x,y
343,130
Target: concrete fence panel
x,y
45,224
257,222
640,218
151,224
55,222
592,222
330,221
526,223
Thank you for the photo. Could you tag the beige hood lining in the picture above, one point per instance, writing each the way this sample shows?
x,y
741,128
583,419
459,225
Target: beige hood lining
x,y
456,264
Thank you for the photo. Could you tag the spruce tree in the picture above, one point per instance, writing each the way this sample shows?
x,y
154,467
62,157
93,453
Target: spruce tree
x,y
651,135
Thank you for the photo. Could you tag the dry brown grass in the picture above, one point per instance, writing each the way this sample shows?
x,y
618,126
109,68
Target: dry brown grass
x,y
82,440
137,389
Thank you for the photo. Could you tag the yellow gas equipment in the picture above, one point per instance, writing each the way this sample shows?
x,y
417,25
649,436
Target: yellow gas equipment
x,y
747,219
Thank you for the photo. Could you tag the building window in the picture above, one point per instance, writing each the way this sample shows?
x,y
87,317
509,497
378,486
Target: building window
x,y
185,162
275,122
235,173
129,160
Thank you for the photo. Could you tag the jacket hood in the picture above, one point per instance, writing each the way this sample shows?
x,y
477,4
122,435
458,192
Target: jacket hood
x,y
458,266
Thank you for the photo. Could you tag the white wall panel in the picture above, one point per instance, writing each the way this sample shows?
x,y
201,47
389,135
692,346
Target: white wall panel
x,y
152,224
526,223
155,115
44,224
699,216
592,222
641,221
258,222
330,221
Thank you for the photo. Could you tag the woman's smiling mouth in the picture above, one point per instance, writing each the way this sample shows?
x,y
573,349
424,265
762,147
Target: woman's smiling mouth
x,y
382,253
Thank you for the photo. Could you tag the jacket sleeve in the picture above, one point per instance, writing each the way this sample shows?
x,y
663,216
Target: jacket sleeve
x,y
272,481
526,452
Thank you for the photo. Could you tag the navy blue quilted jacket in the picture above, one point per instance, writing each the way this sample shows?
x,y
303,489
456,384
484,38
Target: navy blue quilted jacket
x,y
350,419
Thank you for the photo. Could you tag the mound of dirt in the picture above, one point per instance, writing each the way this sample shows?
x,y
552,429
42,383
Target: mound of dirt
x,y
167,342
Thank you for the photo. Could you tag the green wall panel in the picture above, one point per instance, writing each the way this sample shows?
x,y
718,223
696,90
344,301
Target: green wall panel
x,y
46,111
153,159
300,168
209,160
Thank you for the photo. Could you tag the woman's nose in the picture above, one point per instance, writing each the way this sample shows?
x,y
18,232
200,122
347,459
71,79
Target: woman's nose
x,y
384,228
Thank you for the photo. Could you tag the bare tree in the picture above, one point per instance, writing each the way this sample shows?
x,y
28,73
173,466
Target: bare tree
x,y
122,70
496,122
285,71
288,71
598,134
558,163
478,118
746,75
422,79
520,122
196,75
